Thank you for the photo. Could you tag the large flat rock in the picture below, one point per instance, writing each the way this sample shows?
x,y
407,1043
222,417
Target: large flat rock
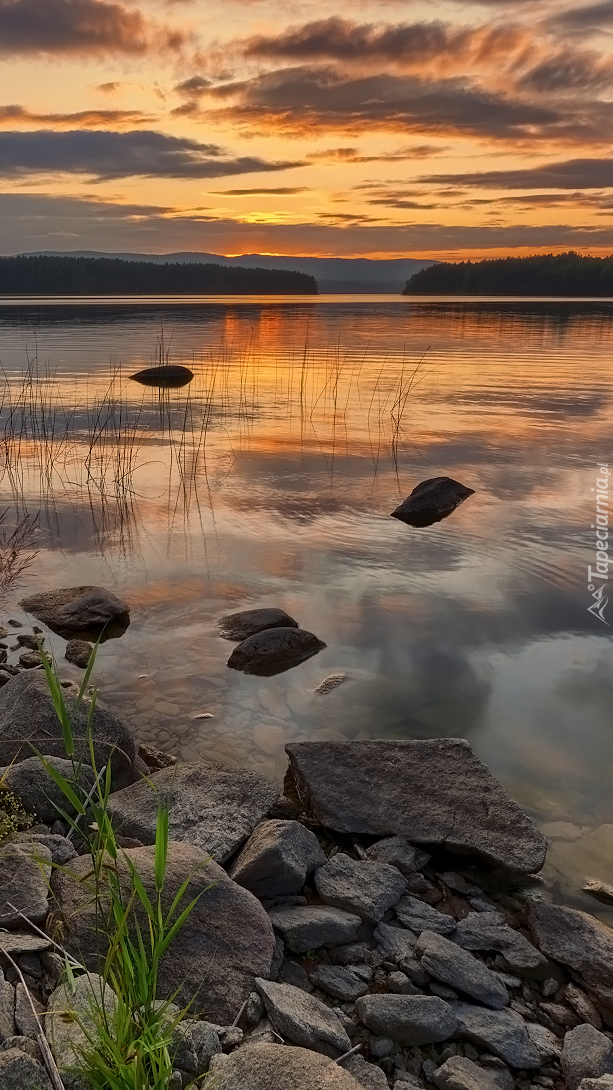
x,y
213,807
433,791
92,610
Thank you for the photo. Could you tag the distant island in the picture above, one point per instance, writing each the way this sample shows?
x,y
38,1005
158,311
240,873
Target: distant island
x,y
546,274
39,275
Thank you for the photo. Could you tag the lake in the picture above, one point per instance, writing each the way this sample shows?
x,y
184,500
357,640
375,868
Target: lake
x,y
269,480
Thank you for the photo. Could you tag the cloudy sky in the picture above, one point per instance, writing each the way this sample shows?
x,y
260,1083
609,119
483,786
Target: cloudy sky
x,y
381,129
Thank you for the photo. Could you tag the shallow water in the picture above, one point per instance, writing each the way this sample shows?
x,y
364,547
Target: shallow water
x,y
269,481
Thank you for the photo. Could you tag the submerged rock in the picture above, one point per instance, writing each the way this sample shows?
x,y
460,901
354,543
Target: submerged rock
x,y
431,501
239,626
78,652
166,377
274,650
80,609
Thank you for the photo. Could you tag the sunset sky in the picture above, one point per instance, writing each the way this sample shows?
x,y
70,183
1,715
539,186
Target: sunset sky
x,y
385,129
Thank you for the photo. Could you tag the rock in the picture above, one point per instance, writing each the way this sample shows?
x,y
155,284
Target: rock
x,y
277,859
167,376
62,850
30,641
458,1073
275,1067
418,916
309,927
432,500
25,1022
399,984
601,891
332,681
39,793
293,973
78,652
582,1006
206,1044
432,791
274,650
367,1075
501,1032
155,759
577,940
30,660
303,1019
397,851
364,887
605,1082
212,807
24,1044
546,1043
239,626
18,1071
70,1025
24,883
7,1007
226,942
586,1054
457,967
79,609
407,1019
339,982
28,718
394,942
22,942
487,931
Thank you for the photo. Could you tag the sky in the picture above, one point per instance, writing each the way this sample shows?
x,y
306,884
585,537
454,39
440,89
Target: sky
x,y
431,129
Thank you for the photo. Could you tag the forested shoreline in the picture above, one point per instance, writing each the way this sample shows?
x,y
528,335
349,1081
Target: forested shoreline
x,y
568,274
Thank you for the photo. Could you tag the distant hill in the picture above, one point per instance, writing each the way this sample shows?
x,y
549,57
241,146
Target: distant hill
x,y
358,275
567,274
53,275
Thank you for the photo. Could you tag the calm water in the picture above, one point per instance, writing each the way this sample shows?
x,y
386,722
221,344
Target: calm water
x,y
269,481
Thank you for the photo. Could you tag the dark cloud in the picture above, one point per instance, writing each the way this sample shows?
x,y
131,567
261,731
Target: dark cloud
x,y
401,155
282,191
569,70
106,155
571,174
193,87
583,20
86,119
79,26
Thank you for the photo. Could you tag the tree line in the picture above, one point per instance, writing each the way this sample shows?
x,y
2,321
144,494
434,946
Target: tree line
x,y
567,274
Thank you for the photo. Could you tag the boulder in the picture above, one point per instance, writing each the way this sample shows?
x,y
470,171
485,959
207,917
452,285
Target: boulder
x,y
303,1019
277,1067
71,1024
24,884
487,931
239,626
225,943
433,791
407,1019
364,887
502,1032
307,927
577,940
39,793
432,500
18,1071
79,609
397,851
277,859
339,982
78,652
458,1073
586,1054
28,720
274,650
212,807
459,969
419,916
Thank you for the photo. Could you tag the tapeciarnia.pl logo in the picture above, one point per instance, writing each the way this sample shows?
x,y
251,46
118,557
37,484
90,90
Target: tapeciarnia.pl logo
x,y
597,577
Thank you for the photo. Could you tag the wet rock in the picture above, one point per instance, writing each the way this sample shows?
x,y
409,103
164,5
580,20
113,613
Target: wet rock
x,y
501,1032
458,1073
332,681
407,1019
364,887
18,1071
28,718
339,982
155,759
25,639
30,660
432,791
167,376
419,916
587,1054
36,788
239,626
577,940
274,650
78,652
70,1026
487,931
226,942
23,884
211,806
79,609
263,1066
309,927
432,500
277,859
303,1019
397,851
459,969
394,942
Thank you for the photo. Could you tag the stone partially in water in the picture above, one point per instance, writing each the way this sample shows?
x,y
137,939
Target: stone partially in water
x,y
431,501
239,626
80,609
78,652
274,650
166,377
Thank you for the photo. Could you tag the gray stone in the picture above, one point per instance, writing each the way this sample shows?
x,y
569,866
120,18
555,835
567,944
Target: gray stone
x,y
419,916
309,927
458,1073
18,1071
79,609
487,931
501,1032
586,1054
39,793
225,943
399,984
339,982
583,1006
293,973
78,652
7,1008
407,1019
277,859
23,942
25,1022
397,851
381,1046
274,651
206,1044
395,942
605,1082
432,500
24,1044
364,887
24,882
577,940
431,791
263,1066
30,660
70,1025
546,1043
303,1019
367,1075
460,969
28,719
62,850
239,626
212,807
